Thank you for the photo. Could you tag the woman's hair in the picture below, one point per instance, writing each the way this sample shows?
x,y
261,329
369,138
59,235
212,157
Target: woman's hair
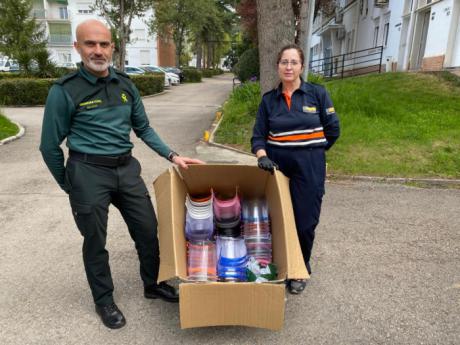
x,y
290,46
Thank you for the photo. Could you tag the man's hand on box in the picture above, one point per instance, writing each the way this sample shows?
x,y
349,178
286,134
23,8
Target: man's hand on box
x,y
267,164
183,162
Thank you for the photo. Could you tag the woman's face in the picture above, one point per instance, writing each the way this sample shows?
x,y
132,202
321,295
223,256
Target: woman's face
x,y
290,66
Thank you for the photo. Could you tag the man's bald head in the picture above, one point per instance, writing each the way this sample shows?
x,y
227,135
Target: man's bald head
x,y
92,25
94,44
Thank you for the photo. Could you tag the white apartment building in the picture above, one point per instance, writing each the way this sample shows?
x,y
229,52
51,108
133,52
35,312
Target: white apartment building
x,y
410,34
61,17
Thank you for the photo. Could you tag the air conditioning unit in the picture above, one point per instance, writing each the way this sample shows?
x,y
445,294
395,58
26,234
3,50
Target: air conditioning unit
x,y
340,33
381,3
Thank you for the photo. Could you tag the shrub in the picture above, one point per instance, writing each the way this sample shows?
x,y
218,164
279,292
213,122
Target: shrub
x,y
249,95
315,78
207,72
24,91
192,75
248,65
149,84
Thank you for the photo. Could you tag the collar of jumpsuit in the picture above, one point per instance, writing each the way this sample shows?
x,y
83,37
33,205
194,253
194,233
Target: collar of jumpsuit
x,y
287,98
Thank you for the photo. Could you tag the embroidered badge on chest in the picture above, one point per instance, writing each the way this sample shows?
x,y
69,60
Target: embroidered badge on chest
x,y
124,98
94,103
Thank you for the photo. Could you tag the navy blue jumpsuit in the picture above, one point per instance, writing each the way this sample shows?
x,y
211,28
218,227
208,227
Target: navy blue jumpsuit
x,y
296,138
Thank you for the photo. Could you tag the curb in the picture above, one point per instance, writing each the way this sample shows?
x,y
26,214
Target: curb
x,y
155,94
211,141
418,182
21,132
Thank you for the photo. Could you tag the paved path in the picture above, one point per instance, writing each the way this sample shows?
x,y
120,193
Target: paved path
x,y
386,266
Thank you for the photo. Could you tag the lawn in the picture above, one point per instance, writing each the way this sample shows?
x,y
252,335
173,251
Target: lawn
x,y
393,124
7,128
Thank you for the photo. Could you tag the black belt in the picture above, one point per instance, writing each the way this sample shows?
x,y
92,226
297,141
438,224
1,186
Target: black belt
x,y
108,161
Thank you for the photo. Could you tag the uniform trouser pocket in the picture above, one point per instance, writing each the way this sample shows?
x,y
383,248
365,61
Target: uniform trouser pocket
x,y
84,217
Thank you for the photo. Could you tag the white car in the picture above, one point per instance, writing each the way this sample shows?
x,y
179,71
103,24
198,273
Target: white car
x,y
9,66
131,70
170,78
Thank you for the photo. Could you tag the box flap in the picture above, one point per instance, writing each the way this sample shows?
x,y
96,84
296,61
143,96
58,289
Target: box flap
x,y
245,304
169,194
294,264
224,178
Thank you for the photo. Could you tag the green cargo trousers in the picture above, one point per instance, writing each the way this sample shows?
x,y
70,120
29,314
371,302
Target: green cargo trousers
x,y
92,188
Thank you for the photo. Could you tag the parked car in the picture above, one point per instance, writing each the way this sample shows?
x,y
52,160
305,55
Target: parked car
x,y
177,71
71,65
173,79
9,66
151,69
131,70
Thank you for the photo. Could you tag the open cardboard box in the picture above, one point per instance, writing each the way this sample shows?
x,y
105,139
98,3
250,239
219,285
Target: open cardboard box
x,y
222,303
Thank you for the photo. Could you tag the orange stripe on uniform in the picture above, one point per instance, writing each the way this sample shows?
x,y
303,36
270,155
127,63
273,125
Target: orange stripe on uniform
x,y
287,98
298,137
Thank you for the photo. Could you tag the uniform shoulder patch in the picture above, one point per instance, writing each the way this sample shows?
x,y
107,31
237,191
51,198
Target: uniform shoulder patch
x,y
66,78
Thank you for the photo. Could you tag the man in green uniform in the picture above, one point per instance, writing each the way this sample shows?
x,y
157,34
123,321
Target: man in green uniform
x,y
95,108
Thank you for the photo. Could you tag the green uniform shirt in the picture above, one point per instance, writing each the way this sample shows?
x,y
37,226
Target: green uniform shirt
x,y
96,116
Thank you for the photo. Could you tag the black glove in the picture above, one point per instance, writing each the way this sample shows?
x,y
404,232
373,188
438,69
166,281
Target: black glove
x,y
267,164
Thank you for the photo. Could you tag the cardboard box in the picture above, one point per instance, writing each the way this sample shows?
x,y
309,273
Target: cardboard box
x,y
222,303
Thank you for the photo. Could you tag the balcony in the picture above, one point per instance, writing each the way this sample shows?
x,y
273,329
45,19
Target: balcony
x,y
60,39
54,15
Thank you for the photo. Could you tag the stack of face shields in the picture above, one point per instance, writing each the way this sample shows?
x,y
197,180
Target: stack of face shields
x,y
231,252
201,261
256,227
199,224
227,215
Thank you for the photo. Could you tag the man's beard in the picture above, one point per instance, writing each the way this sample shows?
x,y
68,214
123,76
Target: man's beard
x,y
97,65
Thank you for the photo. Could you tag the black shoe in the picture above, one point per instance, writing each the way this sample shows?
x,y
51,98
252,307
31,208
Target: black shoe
x,y
296,286
111,316
163,291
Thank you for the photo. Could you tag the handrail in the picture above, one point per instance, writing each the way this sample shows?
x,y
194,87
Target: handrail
x,y
348,64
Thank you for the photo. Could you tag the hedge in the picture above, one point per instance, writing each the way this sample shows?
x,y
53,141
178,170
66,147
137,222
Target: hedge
x,y
210,72
192,75
149,84
24,91
30,91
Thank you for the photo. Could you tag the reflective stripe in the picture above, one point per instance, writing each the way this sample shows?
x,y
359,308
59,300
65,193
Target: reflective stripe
x,y
300,131
298,137
297,143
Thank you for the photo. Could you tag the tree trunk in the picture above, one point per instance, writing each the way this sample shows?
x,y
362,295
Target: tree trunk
x,y
199,52
276,28
121,58
210,52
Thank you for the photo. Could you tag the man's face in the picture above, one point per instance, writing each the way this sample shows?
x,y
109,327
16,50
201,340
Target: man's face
x,y
95,48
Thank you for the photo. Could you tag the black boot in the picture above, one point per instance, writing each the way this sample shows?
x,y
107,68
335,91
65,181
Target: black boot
x,y
163,291
111,316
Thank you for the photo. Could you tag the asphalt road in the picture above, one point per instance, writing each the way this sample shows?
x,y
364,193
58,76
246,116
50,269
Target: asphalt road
x,y
386,264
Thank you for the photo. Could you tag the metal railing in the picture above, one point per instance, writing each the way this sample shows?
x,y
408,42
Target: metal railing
x,y
60,39
350,64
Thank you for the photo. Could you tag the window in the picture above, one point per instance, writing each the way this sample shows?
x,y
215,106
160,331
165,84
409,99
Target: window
x,y
64,57
63,13
84,7
145,57
376,36
139,34
386,30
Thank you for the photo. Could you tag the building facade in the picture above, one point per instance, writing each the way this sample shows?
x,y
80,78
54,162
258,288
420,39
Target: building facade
x,y
407,34
61,18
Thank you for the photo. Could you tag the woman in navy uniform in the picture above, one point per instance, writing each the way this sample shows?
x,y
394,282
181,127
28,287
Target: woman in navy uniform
x,y
296,123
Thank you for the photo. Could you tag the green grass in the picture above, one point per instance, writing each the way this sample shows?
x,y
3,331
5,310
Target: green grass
x,y
393,124
7,128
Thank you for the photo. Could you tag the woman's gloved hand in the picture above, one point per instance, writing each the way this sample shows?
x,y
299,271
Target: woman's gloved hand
x,y
267,164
